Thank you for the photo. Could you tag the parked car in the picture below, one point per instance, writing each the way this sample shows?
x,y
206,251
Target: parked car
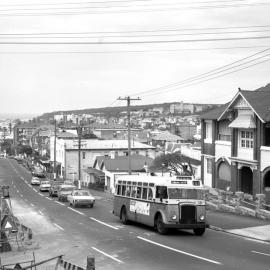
x,y
81,197
44,185
64,191
55,186
35,181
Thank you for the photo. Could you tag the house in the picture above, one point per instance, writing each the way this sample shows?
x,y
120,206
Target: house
x,y
67,152
236,143
113,167
162,138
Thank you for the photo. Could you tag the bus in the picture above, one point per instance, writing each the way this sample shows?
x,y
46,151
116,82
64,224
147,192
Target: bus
x,y
161,202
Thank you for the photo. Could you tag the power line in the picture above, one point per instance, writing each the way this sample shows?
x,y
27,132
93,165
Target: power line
x,y
222,75
129,36
130,42
133,11
205,74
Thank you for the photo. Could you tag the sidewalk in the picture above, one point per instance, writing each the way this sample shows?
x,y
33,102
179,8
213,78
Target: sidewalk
x,y
250,227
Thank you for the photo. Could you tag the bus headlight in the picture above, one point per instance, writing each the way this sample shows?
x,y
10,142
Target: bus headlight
x,y
173,217
202,217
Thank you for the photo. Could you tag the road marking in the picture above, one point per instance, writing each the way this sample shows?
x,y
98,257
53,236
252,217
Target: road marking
x,y
101,222
76,211
21,195
32,204
40,213
48,198
35,190
22,178
179,251
111,257
41,194
59,227
261,253
60,203
17,191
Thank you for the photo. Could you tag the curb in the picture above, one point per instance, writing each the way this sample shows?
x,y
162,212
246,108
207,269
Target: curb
x,y
214,228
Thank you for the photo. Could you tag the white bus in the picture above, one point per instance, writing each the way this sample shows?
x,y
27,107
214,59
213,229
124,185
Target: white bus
x,y
161,202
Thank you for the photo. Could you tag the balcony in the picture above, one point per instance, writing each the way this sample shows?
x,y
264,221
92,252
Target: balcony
x,y
223,149
265,157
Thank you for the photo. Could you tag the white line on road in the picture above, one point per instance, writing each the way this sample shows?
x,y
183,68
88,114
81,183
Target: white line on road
x,y
48,198
21,195
40,213
17,191
59,227
22,178
101,222
265,254
35,190
41,194
107,255
32,204
76,211
179,251
60,203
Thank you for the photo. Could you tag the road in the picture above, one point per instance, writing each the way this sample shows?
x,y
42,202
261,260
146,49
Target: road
x,y
82,231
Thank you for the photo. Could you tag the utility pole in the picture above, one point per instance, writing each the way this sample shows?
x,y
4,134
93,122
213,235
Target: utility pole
x,y
79,131
128,99
54,155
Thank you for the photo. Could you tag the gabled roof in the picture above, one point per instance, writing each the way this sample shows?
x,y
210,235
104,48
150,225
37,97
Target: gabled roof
x,y
120,163
258,100
167,136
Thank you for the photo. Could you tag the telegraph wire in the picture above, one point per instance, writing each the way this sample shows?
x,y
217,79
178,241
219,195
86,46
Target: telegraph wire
x,y
206,74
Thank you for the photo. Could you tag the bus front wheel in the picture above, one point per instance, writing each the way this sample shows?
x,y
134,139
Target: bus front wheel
x,y
199,231
160,225
123,215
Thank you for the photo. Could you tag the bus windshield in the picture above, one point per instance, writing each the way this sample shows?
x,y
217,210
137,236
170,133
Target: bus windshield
x,y
182,193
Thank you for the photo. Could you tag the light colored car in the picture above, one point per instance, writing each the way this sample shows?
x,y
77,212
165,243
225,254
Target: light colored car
x,y
45,185
64,191
35,181
81,197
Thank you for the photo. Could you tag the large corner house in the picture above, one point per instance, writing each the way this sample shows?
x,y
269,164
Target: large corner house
x,y
236,143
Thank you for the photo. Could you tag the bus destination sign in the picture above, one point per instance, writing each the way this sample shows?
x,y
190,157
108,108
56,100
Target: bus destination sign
x,y
179,182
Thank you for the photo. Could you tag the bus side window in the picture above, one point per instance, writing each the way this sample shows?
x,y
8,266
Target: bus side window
x,y
139,193
144,194
133,191
150,194
161,192
128,191
123,190
118,190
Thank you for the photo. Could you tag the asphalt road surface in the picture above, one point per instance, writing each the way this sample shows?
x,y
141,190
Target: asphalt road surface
x,y
78,232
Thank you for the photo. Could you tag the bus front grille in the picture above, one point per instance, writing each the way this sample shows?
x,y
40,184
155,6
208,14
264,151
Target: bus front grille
x,y
188,214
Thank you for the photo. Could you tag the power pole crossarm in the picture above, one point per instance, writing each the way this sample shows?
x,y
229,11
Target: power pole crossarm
x,y
128,99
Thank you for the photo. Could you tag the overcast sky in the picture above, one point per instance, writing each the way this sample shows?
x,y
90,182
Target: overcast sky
x,y
39,78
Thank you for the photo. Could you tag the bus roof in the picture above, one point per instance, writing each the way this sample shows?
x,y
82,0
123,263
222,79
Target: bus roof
x,y
182,181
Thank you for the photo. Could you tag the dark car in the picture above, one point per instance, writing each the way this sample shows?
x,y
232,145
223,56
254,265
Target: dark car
x,y
55,186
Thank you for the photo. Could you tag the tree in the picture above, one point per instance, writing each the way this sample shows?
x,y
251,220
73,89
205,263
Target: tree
x,y
173,162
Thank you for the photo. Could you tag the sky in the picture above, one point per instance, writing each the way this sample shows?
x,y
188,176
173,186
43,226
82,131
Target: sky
x,y
99,50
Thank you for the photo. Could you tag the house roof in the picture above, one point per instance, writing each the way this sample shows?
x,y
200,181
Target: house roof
x,y
120,163
259,100
167,136
66,135
94,144
94,171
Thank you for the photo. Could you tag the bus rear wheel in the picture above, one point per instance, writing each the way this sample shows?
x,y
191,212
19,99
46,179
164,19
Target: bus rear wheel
x,y
199,231
123,215
160,225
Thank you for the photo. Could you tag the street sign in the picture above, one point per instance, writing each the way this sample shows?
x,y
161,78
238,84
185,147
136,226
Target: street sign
x,y
8,224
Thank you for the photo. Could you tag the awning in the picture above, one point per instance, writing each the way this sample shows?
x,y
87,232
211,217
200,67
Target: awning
x,y
243,121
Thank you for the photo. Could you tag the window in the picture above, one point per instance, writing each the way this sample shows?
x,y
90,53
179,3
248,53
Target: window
x,y
139,193
208,130
118,190
128,191
161,192
144,194
246,139
83,155
209,165
150,194
224,132
123,190
133,192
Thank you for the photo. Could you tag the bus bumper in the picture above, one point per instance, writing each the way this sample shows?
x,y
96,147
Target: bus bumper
x,y
186,226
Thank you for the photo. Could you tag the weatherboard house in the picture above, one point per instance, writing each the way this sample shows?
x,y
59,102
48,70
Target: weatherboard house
x,y
236,143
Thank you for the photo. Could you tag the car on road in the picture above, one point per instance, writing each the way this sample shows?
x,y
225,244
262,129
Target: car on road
x,y
55,186
81,197
64,191
44,185
35,181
